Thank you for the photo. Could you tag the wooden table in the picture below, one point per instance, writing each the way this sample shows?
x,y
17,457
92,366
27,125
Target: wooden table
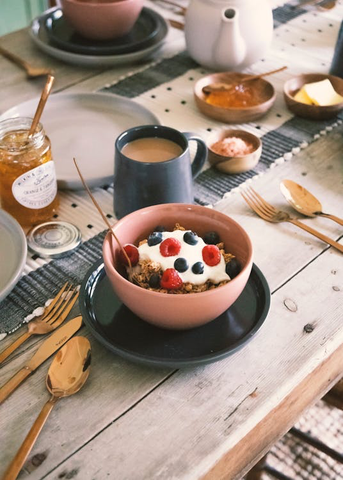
x,y
215,421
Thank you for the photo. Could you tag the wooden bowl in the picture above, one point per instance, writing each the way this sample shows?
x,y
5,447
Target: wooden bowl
x,y
312,112
234,164
263,90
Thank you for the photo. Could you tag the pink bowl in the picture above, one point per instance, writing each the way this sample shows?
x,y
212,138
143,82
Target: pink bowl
x,y
102,20
170,310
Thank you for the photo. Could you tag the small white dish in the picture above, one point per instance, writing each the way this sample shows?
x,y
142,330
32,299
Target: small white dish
x,y
13,250
85,126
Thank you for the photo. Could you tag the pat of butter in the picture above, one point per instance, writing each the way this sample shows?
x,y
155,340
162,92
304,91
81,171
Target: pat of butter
x,y
319,93
302,97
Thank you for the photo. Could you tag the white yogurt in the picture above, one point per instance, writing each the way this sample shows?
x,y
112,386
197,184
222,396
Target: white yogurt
x,y
192,253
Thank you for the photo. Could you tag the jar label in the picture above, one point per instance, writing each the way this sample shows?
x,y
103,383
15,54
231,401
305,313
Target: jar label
x,y
36,188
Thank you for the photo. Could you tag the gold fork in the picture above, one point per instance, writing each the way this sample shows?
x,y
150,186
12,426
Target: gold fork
x,y
53,316
31,71
270,214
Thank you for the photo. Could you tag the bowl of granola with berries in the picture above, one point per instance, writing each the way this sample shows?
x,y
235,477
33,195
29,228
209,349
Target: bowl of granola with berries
x,y
178,266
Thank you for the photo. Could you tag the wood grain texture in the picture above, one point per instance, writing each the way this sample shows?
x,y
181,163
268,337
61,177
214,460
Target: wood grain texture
x,y
181,425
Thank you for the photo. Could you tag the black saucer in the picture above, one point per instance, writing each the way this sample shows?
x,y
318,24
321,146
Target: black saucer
x,y
145,32
122,332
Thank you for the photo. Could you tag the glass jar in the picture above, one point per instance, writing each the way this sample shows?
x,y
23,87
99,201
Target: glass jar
x,y
28,186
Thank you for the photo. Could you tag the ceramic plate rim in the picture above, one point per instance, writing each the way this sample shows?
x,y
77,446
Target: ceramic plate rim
x,y
35,33
162,363
73,182
20,235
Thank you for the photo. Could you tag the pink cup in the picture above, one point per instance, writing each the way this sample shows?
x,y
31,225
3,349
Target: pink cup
x,y
102,20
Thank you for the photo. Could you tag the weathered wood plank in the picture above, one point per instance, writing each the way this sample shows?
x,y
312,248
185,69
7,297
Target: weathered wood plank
x,y
182,429
202,398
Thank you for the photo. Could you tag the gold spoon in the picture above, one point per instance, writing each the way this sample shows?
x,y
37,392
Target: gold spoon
x,y
68,372
303,201
45,94
215,87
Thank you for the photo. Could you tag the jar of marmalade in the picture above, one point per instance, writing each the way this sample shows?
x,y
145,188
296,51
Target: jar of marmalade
x,y
28,186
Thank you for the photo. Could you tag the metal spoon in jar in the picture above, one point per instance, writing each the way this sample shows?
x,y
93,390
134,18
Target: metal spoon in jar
x,y
303,201
67,374
45,94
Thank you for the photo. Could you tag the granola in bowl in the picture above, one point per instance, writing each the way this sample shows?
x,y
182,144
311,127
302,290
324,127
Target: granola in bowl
x,y
180,262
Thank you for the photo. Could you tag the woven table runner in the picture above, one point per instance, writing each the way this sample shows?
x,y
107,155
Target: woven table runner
x,y
166,88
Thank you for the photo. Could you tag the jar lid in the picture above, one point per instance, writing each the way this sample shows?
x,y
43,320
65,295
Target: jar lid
x,y
53,239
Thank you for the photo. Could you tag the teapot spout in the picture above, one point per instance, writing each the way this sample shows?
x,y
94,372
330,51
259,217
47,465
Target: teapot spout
x,y
229,49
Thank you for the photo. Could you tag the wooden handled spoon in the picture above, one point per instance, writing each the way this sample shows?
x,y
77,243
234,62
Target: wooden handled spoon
x,y
215,87
67,374
31,71
304,202
42,101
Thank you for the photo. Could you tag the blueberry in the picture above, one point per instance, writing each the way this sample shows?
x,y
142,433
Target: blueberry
x,y
211,238
154,238
198,268
160,228
191,238
233,268
155,281
181,264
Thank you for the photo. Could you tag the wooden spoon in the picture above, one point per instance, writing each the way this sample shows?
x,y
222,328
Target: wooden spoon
x,y
67,374
220,87
31,71
303,201
45,94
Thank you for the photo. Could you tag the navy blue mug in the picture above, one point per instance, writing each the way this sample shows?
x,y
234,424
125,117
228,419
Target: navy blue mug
x,y
142,183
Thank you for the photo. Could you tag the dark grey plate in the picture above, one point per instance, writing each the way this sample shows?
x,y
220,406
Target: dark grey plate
x,y
145,32
122,332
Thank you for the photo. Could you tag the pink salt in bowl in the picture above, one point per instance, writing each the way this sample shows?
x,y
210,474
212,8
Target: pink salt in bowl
x,y
177,311
234,151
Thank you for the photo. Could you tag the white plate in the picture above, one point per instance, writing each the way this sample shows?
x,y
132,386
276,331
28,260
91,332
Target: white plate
x,y
12,253
85,126
40,37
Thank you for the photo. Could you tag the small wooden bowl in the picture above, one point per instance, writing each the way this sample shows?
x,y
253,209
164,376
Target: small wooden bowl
x,y
236,164
312,112
264,91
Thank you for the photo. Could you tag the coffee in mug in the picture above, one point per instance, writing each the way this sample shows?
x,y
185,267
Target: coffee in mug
x,y
153,166
153,149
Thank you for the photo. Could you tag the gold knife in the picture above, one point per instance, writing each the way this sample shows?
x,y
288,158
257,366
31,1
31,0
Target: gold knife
x,y
53,343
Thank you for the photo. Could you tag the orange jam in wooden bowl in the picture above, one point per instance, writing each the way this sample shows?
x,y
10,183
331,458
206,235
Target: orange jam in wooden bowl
x,y
239,96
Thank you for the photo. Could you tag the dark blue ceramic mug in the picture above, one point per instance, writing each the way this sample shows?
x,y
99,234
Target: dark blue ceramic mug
x,y
142,183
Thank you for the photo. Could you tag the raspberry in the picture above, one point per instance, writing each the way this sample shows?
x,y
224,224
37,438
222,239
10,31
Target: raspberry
x,y
170,247
211,255
170,279
132,253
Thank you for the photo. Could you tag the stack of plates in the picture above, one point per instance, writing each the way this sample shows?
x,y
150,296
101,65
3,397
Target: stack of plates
x,y
55,36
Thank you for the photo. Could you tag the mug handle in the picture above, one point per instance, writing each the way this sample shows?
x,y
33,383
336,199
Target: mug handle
x,y
200,155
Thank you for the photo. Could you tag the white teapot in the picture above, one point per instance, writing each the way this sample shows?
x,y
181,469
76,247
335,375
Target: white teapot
x,y
228,34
